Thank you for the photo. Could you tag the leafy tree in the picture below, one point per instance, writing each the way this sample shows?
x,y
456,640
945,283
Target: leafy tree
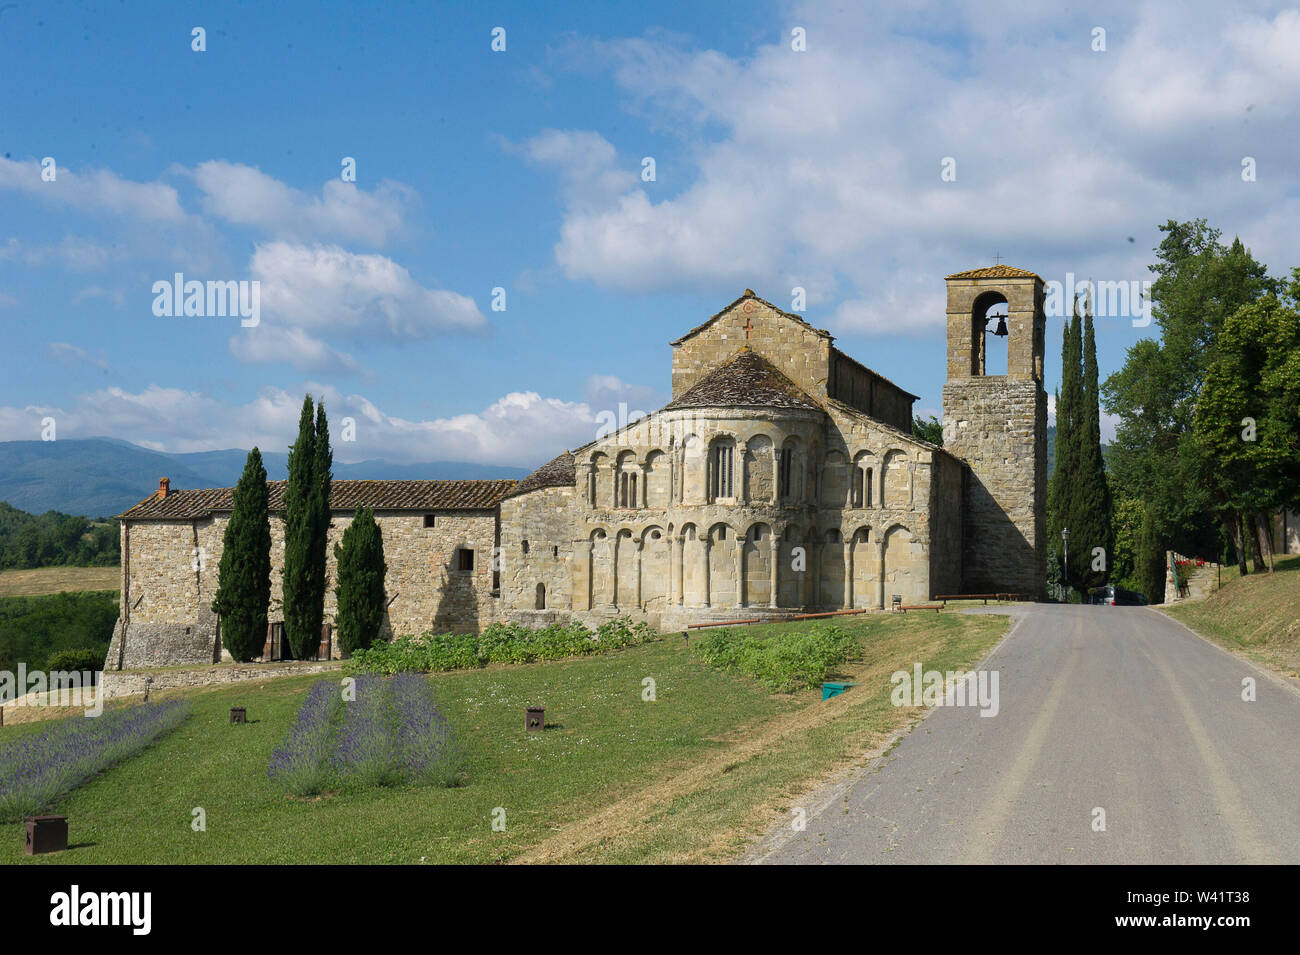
x,y
360,588
306,526
928,430
244,577
1150,561
1246,423
56,539
1154,457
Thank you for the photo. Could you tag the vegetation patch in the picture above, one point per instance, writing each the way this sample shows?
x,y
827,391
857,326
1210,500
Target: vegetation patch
x,y
783,662
499,643
389,731
33,629
37,769
1258,614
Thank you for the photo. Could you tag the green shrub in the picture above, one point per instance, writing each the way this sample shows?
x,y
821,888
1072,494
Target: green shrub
x,y
784,662
69,660
499,643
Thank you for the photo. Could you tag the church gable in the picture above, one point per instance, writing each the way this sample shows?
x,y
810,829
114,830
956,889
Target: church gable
x,y
798,350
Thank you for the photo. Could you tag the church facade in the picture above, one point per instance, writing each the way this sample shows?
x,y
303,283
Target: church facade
x,y
781,477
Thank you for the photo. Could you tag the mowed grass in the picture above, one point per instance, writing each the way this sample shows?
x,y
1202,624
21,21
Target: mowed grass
x,y
53,580
694,775
1258,614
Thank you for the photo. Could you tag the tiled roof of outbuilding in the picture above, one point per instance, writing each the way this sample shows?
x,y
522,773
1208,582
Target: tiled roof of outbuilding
x,y
746,380
344,496
557,472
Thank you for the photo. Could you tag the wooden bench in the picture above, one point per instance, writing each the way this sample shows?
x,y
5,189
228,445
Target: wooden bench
x,y
906,607
984,597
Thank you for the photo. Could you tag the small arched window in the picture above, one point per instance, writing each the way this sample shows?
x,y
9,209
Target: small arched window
x,y
525,547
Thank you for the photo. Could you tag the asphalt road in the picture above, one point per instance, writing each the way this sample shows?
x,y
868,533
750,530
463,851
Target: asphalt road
x,y
1117,708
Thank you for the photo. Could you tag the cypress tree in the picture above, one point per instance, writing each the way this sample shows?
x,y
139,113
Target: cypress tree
x,y
360,588
1069,398
302,612
244,577
1092,498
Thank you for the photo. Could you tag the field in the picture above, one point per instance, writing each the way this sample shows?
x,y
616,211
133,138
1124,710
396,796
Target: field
x,y
53,580
1258,615
695,775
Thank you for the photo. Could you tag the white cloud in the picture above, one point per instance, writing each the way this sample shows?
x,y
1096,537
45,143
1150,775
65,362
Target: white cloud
x,y
97,190
247,196
822,169
310,293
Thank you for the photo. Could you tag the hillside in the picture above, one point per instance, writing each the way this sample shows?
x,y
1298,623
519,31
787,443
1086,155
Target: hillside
x,y
100,477
1258,613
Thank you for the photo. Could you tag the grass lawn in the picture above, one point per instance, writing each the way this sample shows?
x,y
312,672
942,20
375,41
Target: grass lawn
x,y
53,580
693,776
1258,614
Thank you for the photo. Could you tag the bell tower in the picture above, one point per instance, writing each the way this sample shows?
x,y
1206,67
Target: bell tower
x,y
997,424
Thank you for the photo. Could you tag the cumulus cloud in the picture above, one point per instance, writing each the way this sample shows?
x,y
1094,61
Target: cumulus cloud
x,y
247,196
310,293
822,169
96,190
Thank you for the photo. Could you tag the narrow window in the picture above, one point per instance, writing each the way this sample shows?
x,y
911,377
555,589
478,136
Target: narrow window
x,y
787,467
555,551
859,483
722,471
464,559
867,489
429,519
525,547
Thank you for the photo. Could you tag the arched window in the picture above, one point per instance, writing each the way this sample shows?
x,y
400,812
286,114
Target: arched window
x,y
989,334
525,547
721,482
627,490
539,601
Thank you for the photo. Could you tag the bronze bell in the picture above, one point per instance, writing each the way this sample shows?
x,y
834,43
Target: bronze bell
x,y
1001,330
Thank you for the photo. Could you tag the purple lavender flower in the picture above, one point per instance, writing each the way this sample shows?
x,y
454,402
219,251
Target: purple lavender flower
x,y
36,770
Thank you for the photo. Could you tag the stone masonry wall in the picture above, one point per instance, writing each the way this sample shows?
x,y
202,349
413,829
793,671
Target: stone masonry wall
x,y
170,577
797,350
544,519
998,426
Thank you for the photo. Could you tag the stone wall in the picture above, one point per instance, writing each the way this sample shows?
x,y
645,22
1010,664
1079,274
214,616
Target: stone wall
x,y
170,577
998,426
537,532
801,352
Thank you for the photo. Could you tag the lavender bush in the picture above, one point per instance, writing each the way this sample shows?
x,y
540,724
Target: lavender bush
x,y
392,732
36,770
302,763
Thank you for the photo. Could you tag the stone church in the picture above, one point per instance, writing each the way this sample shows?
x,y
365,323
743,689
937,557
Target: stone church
x,y
782,477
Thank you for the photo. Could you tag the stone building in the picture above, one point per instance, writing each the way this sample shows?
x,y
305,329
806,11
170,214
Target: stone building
x,y
783,476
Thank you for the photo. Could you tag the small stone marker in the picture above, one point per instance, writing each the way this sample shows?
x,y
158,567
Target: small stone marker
x,y
46,834
534,718
238,714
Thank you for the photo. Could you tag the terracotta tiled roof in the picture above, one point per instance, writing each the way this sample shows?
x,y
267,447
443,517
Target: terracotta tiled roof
x,y
749,294
745,380
994,272
344,496
557,472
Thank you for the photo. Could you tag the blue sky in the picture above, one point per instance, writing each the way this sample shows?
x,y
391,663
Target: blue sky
x,y
521,169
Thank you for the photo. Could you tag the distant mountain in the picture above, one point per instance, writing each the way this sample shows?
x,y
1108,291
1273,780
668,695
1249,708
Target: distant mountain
x,y
99,477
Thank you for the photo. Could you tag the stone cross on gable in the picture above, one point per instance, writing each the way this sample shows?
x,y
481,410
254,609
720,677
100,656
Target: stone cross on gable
x,y
748,326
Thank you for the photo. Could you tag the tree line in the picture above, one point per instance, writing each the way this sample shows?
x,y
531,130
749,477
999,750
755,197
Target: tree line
x,y
1207,447
243,595
54,539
